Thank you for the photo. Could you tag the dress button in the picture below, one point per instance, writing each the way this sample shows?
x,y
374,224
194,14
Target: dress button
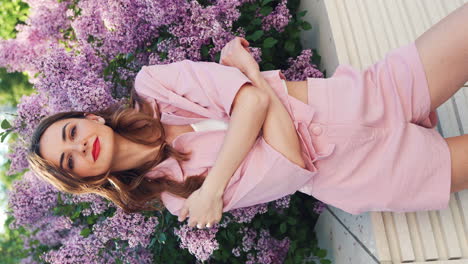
x,y
317,130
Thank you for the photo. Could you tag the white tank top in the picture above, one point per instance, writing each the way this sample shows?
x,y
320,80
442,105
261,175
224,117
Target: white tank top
x,y
213,124
210,124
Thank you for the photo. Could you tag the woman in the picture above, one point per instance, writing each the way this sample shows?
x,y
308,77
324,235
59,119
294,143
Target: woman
x,y
343,140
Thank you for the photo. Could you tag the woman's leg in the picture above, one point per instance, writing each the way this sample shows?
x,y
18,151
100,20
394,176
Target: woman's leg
x,y
459,155
298,90
444,54
443,49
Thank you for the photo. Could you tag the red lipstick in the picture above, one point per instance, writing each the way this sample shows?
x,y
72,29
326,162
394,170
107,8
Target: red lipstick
x,y
96,148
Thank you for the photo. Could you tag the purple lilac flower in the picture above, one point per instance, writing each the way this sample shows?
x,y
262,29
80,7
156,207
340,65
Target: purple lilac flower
x,y
98,204
30,110
52,231
246,214
29,193
278,19
48,17
269,249
72,81
319,207
257,54
76,249
236,252
79,249
131,227
283,202
200,242
301,68
18,158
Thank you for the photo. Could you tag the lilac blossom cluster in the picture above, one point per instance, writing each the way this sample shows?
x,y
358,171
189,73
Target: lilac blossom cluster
x,y
301,68
137,230
76,249
52,231
98,204
270,250
200,242
45,21
246,214
29,112
278,19
30,201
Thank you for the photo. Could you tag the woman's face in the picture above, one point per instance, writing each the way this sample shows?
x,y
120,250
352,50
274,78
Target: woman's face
x,y
82,146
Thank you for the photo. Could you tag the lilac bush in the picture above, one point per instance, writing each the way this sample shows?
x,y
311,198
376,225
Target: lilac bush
x,y
83,55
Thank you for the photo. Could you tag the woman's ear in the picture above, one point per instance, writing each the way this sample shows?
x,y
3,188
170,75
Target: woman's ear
x,y
94,117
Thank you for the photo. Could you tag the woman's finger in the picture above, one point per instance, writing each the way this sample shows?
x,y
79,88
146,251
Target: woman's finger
x,y
244,42
183,214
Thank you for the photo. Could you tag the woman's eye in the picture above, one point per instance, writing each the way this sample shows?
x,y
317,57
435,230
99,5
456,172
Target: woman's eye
x,y
70,163
73,132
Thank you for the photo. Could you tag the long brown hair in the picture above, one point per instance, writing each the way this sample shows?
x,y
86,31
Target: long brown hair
x,y
128,189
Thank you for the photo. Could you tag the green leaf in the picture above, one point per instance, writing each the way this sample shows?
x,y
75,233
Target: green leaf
x,y
75,215
162,237
130,56
269,67
266,10
292,220
5,124
325,261
321,253
257,224
293,246
289,46
153,240
256,21
283,228
306,25
4,135
256,35
266,2
204,51
302,13
269,42
85,232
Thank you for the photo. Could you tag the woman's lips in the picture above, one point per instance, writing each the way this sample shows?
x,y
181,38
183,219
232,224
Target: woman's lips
x,y
96,148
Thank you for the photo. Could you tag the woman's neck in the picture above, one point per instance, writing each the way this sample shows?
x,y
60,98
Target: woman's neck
x,y
128,154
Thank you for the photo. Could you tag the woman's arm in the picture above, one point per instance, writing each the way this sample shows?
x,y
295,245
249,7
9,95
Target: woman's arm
x,y
249,110
278,129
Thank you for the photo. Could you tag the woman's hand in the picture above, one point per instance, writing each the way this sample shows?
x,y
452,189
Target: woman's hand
x,y
204,208
237,54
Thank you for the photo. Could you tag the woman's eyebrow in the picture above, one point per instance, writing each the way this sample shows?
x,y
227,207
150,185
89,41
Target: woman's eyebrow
x,y
63,139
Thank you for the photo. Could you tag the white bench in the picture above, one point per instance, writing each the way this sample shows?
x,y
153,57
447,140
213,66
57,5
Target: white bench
x,y
359,33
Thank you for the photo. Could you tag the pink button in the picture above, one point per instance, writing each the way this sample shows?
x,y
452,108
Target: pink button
x,y
317,130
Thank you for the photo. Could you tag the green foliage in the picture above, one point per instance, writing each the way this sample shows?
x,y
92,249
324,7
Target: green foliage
x,y
12,12
13,86
11,244
277,47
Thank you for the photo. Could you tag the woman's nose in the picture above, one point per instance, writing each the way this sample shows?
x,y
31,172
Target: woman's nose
x,y
80,146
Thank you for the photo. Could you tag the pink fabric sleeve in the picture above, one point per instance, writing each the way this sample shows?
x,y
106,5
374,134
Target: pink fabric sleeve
x,y
198,87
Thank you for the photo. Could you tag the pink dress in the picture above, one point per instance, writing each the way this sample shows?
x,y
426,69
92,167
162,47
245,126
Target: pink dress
x,y
367,138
